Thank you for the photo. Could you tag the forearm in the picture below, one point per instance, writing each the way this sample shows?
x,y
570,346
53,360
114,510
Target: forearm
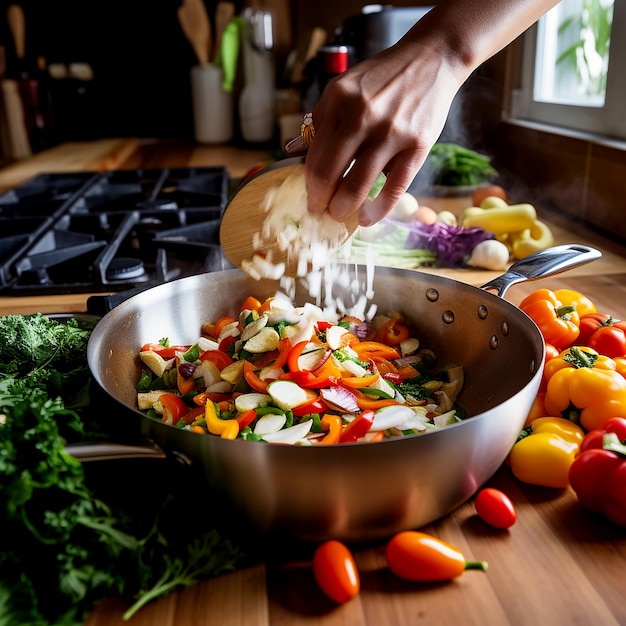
x,y
471,31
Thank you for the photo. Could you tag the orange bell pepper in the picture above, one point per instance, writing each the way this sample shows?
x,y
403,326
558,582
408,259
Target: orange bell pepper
x,y
584,387
333,424
559,323
368,349
392,332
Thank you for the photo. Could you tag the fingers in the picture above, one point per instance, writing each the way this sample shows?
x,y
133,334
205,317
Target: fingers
x,y
400,174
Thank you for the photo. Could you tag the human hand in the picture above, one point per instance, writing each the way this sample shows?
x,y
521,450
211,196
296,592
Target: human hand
x,y
384,114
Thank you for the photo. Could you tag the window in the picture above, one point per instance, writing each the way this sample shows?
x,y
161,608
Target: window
x,y
574,69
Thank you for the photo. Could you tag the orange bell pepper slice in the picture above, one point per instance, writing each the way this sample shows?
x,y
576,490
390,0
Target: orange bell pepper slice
x,y
253,379
250,304
365,403
359,381
333,424
392,332
369,349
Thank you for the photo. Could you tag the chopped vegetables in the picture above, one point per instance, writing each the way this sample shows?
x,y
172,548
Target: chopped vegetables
x,y
289,374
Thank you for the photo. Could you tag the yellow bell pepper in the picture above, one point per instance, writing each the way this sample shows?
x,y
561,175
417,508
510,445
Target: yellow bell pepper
x,y
537,237
227,429
545,452
584,387
570,297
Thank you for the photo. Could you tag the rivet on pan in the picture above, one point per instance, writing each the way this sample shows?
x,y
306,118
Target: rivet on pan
x,y
493,342
505,329
432,295
447,317
483,312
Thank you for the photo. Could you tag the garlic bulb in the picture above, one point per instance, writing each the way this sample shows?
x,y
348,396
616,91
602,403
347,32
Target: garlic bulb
x,y
490,255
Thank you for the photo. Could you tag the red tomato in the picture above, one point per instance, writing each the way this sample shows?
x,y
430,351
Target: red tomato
x,y
490,191
609,341
335,571
495,508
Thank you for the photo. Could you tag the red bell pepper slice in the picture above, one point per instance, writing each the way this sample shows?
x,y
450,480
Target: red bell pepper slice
x,y
311,406
253,379
294,355
308,380
164,352
173,408
357,428
221,359
245,419
321,325
227,345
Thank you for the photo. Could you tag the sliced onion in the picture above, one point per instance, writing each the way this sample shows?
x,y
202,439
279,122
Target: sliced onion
x,y
391,416
270,423
339,398
290,435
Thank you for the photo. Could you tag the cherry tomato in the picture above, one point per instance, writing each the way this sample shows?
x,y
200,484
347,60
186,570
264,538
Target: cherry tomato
x,y
495,508
335,571
609,341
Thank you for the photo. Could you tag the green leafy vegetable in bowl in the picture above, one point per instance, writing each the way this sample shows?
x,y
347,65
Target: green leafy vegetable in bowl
x,y
452,165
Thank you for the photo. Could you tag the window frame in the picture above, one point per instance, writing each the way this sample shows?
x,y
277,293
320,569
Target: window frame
x,y
608,121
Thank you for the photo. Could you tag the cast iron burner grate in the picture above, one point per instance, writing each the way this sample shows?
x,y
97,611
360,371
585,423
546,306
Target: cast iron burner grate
x,y
91,232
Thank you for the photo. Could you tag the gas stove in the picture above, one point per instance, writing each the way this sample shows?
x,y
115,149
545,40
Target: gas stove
x,y
89,232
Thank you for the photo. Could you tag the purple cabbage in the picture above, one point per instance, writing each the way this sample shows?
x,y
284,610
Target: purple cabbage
x,y
451,244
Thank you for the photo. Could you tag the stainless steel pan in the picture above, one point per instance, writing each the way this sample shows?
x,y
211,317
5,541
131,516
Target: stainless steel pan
x,y
350,492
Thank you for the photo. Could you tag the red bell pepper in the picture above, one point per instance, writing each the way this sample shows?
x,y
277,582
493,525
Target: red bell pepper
x,y
598,474
308,380
357,428
252,378
173,408
219,358
604,334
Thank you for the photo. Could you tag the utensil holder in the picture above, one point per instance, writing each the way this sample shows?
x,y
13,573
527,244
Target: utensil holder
x,y
212,105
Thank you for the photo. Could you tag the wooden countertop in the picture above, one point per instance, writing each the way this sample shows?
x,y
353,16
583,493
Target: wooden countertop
x,y
556,565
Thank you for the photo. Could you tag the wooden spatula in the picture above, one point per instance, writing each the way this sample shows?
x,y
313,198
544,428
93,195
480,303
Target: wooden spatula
x,y
195,23
244,215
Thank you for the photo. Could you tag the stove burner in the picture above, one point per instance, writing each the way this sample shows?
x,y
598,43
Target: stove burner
x,y
123,268
91,232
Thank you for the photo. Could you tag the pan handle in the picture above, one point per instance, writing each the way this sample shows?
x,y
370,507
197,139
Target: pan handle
x,y
544,263
111,451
